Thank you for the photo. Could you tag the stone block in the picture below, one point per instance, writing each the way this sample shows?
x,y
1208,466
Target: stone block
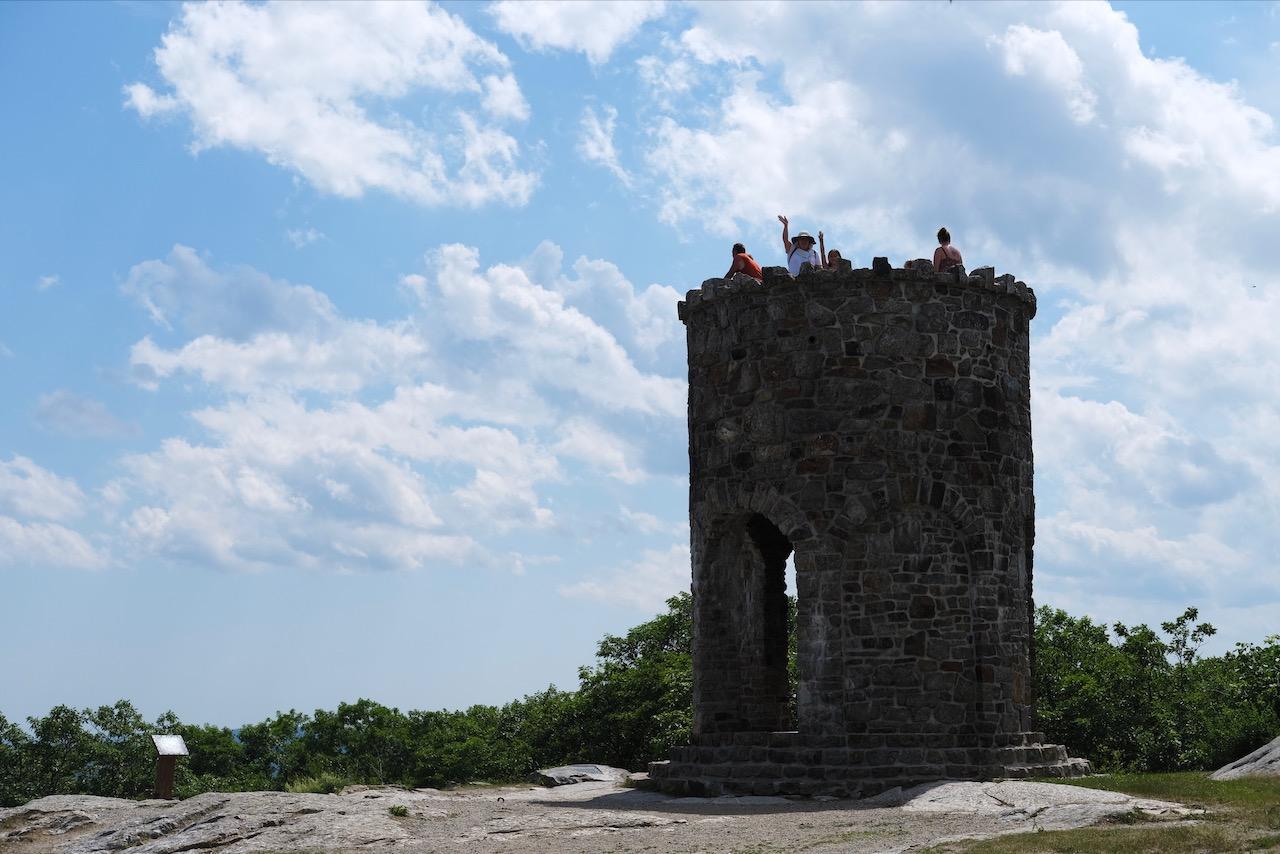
x,y
983,276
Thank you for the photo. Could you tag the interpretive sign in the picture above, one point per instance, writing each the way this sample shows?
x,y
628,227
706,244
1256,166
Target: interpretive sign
x,y
168,749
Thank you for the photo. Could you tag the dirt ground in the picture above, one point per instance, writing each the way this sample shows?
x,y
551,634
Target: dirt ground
x,y
586,817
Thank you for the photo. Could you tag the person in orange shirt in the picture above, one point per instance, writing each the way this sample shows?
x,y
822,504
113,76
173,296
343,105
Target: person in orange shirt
x,y
744,263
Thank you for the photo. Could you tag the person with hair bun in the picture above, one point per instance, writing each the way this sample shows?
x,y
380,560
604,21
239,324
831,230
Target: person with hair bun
x,y
744,263
946,256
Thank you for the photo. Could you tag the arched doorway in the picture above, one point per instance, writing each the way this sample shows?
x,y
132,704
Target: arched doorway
x,y
743,625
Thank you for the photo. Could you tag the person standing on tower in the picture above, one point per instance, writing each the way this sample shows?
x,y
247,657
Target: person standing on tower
x,y
830,260
946,256
799,250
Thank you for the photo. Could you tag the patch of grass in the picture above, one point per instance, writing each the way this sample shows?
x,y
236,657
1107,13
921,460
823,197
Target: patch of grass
x,y
1185,787
321,784
398,810
1244,815
1133,816
1253,801
1181,839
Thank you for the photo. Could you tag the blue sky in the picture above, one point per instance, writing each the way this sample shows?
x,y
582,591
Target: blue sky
x,y
339,351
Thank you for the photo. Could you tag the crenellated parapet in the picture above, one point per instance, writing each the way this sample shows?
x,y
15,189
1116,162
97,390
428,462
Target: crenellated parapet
x,y
981,279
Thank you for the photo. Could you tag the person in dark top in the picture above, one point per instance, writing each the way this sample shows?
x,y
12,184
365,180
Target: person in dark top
x,y
830,260
744,263
946,256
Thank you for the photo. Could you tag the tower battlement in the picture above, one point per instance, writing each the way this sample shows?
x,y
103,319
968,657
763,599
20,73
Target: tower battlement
x,y
981,279
877,424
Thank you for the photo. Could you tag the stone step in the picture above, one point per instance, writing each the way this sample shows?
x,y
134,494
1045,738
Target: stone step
x,y
1037,754
1069,768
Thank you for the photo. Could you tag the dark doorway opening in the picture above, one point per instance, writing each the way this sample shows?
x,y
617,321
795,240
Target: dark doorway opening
x,y
743,629
776,613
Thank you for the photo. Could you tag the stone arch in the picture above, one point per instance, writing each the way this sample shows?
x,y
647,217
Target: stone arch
x,y
923,555
732,532
759,498
928,492
740,621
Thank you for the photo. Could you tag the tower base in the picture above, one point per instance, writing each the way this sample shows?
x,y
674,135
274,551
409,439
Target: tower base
x,y
791,763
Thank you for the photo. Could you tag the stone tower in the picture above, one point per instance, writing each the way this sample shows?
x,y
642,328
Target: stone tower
x,y
876,424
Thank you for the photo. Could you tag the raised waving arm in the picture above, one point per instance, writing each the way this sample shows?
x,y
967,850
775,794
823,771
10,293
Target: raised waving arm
x,y
786,234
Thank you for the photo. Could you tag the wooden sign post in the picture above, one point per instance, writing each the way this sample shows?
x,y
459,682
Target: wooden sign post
x,y
168,749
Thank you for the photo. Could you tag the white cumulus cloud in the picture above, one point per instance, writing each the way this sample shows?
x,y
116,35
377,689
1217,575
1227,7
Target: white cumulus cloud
x,y
503,98
644,584
1046,55
255,331
553,343
330,442
595,29
312,87
595,141
46,544
81,417
608,452
27,489
301,237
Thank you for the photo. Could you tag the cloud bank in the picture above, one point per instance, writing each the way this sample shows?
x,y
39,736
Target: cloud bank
x,y
314,88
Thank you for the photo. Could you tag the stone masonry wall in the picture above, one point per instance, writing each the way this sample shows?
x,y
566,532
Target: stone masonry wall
x,y
878,424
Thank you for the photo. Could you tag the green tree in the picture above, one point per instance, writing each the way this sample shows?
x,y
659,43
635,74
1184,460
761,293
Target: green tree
x,y
363,741
16,785
543,729
121,760
1129,698
1147,702
458,747
638,699
273,748
57,752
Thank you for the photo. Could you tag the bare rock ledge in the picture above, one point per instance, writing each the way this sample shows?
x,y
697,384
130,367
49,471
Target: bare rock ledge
x,y
1263,762
581,817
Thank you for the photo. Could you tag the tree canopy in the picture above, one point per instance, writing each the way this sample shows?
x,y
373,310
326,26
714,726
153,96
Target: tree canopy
x,y
1127,697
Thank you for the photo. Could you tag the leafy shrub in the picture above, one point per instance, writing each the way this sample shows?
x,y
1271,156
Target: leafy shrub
x,y
1146,701
321,784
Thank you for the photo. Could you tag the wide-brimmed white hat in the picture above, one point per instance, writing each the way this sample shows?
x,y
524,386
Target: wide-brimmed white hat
x,y
802,235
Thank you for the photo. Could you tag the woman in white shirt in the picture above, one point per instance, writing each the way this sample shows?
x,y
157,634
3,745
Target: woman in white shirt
x,y
799,250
